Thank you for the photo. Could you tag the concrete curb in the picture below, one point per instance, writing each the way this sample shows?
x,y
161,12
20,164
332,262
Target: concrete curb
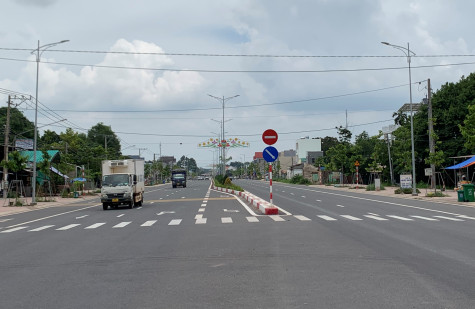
x,y
263,206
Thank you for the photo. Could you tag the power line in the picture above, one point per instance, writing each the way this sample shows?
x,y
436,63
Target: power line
x,y
242,71
234,55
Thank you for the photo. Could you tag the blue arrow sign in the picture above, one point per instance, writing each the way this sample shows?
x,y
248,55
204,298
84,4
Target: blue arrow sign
x,y
270,154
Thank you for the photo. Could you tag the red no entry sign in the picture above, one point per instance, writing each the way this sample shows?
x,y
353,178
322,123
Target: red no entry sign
x,y
270,137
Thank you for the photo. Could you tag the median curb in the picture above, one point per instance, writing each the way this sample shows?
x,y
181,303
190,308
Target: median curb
x,y
261,205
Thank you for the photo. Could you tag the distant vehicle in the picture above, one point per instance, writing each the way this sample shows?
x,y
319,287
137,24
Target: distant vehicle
x,y
122,183
200,178
178,178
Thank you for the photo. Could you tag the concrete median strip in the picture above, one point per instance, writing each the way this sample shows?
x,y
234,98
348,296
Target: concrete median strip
x,y
263,206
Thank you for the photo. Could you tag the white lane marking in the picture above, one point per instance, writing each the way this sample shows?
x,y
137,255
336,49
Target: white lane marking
x,y
120,215
122,224
448,218
94,226
149,223
201,221
203,205
339,205
67,227
466,217
370,213
139,207
41,228
327,218
201,209
60,214
175,222
230,210
165,212
277,218
152,202
376,218
252,219
226,220
14,229
382,202
291,193
425,218
400,218
303,196
205,200
198,217
183,197
82,217
5,220
302,218
351,218
161,198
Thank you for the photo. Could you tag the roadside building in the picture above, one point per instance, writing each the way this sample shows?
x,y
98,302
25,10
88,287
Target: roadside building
x,y
309,149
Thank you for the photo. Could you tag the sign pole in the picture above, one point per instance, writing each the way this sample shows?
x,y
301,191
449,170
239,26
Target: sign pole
x,y
270,182
357,174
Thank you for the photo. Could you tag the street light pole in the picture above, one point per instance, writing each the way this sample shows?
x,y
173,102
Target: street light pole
x,y
39,51
408,53
223,159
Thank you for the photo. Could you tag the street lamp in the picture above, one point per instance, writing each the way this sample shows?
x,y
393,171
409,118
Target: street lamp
x,y
38,52
223,99
408,53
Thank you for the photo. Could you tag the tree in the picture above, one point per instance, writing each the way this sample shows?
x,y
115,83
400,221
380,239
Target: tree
x,y
344,134
468,129
102,135
16,163
20,126
328,142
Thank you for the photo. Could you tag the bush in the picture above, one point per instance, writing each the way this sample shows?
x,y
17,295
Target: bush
x,y
405,191
436,194
372,187
300,180
225,182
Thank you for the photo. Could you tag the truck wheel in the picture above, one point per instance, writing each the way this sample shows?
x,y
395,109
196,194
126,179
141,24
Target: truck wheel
x,y
104,206
184,186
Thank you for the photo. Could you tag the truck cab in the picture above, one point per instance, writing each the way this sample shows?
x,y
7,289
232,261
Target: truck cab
x,y
179,178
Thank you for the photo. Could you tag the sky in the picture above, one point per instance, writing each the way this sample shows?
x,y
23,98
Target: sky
x,y
147,68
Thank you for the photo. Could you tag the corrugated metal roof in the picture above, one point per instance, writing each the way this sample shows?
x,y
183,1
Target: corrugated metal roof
x,y
39,155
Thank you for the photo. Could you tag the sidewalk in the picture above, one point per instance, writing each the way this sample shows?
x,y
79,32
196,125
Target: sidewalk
x,y
6,210
450,198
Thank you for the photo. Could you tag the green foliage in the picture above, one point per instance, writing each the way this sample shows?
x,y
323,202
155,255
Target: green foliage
x,y
224,181
300,180
16,162
436,194
405,191
372,187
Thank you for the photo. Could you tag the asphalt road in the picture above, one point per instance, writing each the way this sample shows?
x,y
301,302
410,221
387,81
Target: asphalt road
x,y
197,248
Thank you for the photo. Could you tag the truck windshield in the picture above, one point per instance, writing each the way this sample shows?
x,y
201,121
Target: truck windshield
x,y
115,180
178,176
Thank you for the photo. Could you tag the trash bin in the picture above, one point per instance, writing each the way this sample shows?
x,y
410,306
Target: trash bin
x,y
460,196
468,192
76,194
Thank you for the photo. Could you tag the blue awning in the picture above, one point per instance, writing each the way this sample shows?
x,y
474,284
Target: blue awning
x,y
463,164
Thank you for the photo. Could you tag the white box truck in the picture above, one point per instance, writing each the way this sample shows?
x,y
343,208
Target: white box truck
x,y
122,183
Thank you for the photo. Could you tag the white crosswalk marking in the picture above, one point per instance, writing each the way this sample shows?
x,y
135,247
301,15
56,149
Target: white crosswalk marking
x,y
203,205
302,218
122,224
226,220
376,218
94,226
351,218
201,221
149,223
277,218
201,210
41,228
425,218
327,218
448,218
198,217
175,222
252,219
67,227
14,229
400,218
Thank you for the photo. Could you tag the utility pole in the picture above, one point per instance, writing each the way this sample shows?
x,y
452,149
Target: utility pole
x,y
431,132
141,149
5,149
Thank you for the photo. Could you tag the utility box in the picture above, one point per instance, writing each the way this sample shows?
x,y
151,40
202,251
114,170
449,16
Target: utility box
x,y
468,192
